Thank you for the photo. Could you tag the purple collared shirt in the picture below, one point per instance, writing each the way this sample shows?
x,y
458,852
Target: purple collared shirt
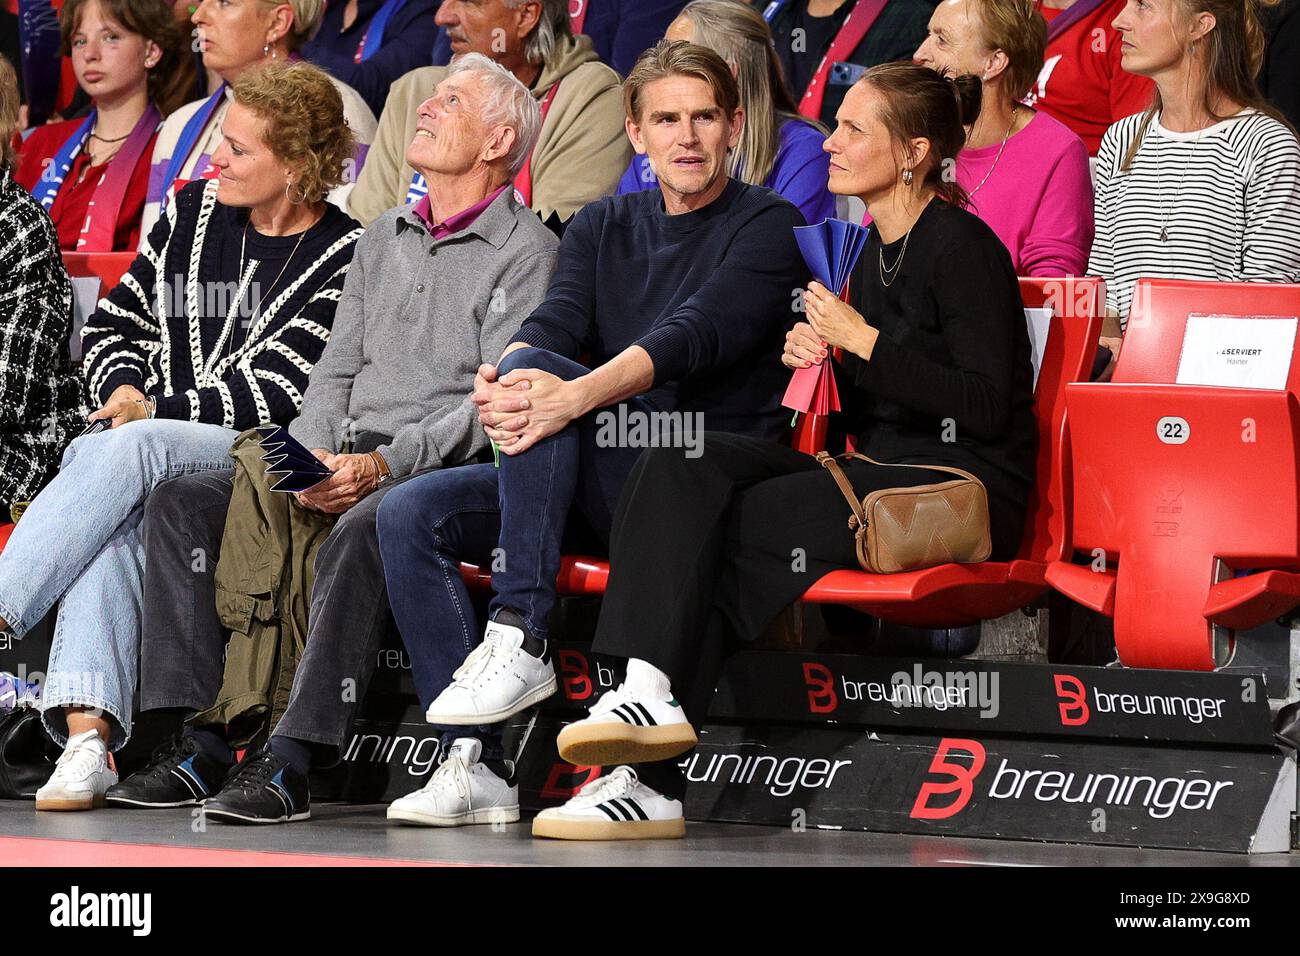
x,y
455,223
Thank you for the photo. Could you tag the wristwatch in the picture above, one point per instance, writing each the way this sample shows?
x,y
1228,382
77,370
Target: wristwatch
x,y
384,473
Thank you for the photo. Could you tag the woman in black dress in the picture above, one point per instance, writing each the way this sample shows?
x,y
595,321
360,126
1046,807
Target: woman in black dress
x,y
706,551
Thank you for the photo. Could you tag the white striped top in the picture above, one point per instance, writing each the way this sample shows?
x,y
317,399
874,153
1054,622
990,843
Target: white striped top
x,y
1227,196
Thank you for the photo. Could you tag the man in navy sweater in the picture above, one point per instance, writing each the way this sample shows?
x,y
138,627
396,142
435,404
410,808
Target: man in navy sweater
x,y
677,301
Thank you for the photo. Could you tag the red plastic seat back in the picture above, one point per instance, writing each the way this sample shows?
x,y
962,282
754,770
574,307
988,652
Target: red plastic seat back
x,y
1068,357
1153,339
107,267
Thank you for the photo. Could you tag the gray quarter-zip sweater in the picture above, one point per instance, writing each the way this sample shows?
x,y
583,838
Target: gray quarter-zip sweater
x,y
417,317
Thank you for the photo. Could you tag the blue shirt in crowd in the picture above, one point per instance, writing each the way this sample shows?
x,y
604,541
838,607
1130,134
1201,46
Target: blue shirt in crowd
x,y
407,45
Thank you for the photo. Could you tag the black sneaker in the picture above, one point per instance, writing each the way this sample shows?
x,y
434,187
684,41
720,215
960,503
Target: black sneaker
x,y
263,788
179,774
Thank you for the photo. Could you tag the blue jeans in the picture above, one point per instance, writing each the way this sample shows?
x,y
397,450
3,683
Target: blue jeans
x,y
510,520
80,542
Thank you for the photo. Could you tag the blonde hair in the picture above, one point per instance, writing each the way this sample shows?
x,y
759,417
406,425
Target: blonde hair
x,y
305,127
738,33
679,58
307,15
9,103
1017,29
1235,53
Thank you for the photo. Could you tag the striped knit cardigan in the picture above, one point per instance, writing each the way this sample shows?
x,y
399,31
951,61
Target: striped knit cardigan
x,y
166,327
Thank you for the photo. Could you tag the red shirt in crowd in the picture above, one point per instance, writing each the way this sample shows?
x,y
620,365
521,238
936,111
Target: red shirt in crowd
x,y
69,209
1082,83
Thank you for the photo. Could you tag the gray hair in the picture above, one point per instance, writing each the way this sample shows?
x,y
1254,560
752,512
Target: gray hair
x,y
507,103
552,26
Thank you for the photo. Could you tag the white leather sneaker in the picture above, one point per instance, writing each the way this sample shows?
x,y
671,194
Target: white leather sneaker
x,y
627,728
614,807
81,776
498,680
461,791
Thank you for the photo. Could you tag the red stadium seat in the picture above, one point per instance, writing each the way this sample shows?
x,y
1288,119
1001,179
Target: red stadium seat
x,y
1181,519
107,267
956,594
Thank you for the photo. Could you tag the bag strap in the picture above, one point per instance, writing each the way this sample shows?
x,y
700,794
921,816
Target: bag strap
x,y
827,461
903,464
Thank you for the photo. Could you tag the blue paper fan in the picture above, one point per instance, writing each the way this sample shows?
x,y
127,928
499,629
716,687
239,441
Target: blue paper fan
x,y
831,249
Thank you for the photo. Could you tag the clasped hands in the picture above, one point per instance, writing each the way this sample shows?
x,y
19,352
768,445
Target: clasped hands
x,y
520,408
832,323
126,404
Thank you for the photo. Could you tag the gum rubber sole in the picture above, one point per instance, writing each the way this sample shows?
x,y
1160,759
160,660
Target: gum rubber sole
x,y
81,803
588,828
609,743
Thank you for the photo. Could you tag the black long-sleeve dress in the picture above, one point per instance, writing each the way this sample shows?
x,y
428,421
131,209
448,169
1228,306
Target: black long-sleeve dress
x,y
706,551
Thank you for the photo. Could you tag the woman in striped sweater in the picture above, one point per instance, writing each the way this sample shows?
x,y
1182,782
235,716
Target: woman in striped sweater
x,y
213,330
1206,183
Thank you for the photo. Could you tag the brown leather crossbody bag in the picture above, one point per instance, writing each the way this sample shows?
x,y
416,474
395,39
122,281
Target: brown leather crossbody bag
x,y
904,529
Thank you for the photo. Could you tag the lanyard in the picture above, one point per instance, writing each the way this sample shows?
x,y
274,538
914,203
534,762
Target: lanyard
x,y
373,38
105,206
854,28
578,14
47,188
523,181
189,137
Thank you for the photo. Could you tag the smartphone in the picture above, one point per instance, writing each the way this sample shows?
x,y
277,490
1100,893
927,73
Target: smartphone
x,y
98,425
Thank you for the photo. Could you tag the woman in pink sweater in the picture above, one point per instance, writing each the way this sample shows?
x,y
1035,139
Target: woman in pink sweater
x,y
1026,173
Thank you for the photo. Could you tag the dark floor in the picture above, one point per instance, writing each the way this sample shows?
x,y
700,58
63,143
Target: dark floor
x,y
362,832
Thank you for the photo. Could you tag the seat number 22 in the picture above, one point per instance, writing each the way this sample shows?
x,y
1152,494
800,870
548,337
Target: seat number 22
x,y
1173,430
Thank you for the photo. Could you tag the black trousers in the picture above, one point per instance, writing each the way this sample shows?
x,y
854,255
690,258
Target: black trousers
x,y
705,552
183,643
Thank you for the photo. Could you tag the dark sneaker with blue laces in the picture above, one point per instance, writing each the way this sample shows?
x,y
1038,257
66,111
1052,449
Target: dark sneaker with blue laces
x,y
179,774
263,788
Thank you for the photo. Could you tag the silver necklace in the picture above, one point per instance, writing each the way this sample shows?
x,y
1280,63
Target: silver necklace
x,y
1168,207
892,271
1014,111
243,240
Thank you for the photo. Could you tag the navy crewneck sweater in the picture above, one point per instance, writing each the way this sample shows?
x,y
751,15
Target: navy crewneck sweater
x,y
708,294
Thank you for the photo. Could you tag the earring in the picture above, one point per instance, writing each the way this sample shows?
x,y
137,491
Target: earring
x,y
302,194
907,177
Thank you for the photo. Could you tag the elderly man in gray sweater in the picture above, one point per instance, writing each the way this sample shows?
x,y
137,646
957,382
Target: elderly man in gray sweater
x,y
435,289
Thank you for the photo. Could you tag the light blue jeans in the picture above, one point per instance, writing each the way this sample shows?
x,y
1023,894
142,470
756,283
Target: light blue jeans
x,y
80,542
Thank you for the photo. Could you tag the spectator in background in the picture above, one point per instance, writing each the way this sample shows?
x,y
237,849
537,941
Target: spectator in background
x,y
582,150
1279,78
370,44
700,558
1206,183
178,370
825,45
681,298
621,30
90,174
236,35
1025,173
1082,83
778,149
41,395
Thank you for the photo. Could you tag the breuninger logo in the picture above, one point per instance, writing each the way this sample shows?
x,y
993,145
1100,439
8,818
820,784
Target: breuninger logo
x,y
638,429
1159,797
781,775
418,757
936,690
77,909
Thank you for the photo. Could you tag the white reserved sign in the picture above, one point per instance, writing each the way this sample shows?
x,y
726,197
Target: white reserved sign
x,y
1237,351
1040,320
